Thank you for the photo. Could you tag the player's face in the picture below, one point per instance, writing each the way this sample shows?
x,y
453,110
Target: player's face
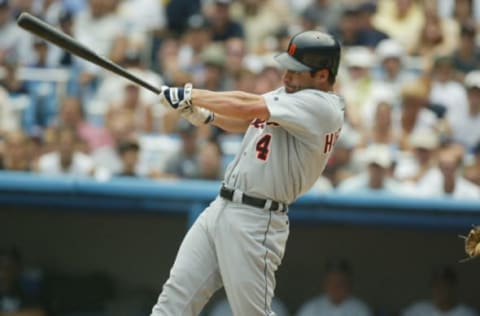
x,y
296,80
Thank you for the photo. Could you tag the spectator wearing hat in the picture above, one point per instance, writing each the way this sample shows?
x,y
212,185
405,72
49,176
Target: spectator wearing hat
x,y
465,127
467,56
357,85
222,24
443,301
213,75
418,168
451,183
414,113
391,71
337,298
377,178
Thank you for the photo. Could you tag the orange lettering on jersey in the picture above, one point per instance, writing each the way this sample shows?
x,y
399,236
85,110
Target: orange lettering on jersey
x,y
329,140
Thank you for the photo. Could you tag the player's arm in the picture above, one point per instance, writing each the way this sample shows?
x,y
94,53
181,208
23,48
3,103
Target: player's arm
x,y
231,124
236,104
232,111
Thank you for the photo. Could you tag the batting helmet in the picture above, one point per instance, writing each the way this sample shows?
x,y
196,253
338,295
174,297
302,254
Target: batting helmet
x,y
311,50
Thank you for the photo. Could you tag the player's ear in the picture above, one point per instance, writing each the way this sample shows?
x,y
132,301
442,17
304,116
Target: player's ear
x,y
321,76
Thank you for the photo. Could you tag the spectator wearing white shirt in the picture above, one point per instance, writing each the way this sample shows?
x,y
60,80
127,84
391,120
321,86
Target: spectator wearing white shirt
x,y
66,160
418,168
377,178
338,299
444,301
465,128
451,184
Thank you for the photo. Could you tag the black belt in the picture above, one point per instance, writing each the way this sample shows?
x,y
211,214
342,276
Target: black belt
x,y
228,194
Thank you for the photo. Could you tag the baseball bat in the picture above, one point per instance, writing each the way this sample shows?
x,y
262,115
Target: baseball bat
x,y
49,33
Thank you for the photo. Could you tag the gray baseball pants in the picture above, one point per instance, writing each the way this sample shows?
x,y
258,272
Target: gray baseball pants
x,y
230,244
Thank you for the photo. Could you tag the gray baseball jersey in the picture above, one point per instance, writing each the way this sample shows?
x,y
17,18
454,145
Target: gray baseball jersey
x,y
281,158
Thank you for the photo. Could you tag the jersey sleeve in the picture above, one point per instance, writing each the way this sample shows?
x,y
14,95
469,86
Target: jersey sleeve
x,y
306,114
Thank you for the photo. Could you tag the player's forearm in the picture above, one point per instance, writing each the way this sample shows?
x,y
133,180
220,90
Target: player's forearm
x,y
236,104
231,124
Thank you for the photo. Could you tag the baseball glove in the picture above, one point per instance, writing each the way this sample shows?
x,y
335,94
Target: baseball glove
x,y
472,243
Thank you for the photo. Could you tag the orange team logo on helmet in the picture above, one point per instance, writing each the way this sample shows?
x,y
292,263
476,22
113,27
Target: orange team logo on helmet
x,y
291,49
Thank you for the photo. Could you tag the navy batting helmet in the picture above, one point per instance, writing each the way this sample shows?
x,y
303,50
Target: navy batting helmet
x,y
311,50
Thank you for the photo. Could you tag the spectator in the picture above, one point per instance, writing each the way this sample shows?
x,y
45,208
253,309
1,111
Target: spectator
x,y
43,108
141,112
184,163
210,163
414,113
466,58
452,184
16,154
9,120
369,35
66,160
472,171
213,77
419,167
381,131
400,19
195,40
71,115
261,19
357,85
222,24
444,300
392,72
98,27
465,127
338,299
348,29
377,178
235,53
437,38
129,152
13,41
17,296
447,92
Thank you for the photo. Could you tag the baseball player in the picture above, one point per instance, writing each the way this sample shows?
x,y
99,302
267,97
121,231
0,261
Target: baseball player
x,y
239,240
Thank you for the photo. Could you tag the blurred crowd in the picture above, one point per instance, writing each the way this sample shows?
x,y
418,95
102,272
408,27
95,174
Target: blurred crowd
x,y
408,76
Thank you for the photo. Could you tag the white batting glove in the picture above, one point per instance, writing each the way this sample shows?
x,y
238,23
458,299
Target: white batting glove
x,y
196,115
176,97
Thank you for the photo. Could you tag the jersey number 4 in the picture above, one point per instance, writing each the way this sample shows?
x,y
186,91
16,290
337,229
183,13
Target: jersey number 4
x,y
263,147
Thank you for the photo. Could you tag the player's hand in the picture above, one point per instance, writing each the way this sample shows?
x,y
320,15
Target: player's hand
x,y
196,115
176,97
